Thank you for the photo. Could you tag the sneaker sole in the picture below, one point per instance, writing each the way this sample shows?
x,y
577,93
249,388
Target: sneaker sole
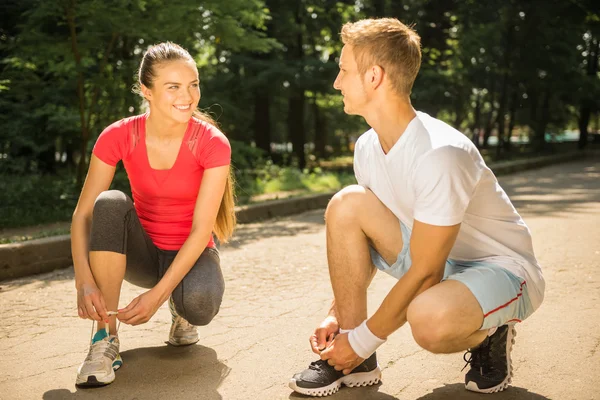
x,y
182,343
351,380
92,381
510,340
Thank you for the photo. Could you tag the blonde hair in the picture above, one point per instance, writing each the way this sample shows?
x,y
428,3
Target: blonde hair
x,y
168,52
388,43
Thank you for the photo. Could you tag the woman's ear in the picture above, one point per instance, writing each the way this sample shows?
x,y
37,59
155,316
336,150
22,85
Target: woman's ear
x,y
146,92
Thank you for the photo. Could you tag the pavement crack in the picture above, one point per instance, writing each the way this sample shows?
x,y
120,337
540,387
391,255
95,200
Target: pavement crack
x,y
401,390
392,362
250,347
39,373
595,349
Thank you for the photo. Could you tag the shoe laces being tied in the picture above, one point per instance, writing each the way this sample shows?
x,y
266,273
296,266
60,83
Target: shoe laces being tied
x,y
479,356
318,365
101,347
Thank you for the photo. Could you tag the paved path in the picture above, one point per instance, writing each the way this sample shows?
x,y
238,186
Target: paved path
x,y
277,290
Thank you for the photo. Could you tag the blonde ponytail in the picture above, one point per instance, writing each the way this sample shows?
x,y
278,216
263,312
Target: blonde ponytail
x,y
226,220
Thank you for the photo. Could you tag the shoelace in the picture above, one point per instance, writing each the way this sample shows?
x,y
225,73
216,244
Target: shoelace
x,y
98,350
317,365
105,326
478,356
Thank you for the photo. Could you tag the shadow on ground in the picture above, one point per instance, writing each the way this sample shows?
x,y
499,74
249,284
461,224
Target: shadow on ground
x,y
556,189
307,222
455,391
359,393
159,372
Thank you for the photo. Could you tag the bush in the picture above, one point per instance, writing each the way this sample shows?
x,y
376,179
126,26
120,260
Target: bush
x,y
29,200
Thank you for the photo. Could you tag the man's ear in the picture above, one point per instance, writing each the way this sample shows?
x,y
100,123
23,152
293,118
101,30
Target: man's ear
x,y
375,78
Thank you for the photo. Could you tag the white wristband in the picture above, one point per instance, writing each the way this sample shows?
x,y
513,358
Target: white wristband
x,y
363,341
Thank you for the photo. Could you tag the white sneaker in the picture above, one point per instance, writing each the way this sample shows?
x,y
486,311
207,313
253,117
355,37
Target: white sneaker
x,y
182,332
102,361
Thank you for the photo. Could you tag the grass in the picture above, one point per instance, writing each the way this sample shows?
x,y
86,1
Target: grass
x,y
37,235
35,201
274,182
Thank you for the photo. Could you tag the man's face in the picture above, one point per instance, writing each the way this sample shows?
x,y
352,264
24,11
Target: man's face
x,y
350,83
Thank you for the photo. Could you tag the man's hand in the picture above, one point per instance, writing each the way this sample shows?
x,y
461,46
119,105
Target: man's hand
x,y
324,334
141,309
90,302
340,355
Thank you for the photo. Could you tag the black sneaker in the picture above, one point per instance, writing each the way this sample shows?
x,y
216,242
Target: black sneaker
x,y
321,379
491,365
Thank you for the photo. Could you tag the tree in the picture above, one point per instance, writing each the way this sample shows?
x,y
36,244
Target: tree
x,y
91,47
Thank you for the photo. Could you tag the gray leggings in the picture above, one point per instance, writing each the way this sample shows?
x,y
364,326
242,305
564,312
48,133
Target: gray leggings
x,y
117,228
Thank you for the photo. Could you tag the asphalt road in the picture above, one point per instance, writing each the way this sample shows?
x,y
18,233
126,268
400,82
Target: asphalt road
x,y
277,291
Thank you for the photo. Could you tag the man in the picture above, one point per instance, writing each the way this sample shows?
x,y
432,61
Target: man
x,y
428,211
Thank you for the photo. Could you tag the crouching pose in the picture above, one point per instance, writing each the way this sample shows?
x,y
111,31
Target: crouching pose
x,y
177,163
428,211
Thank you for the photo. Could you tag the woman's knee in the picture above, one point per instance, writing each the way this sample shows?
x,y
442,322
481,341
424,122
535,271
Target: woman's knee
x,y
112,203
201,306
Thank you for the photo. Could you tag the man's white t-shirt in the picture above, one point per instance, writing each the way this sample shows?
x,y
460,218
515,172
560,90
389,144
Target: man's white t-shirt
x,y
436,175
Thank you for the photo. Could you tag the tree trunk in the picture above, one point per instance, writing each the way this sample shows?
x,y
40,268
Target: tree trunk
x,y
489,125
262,121
297,98
540,132
505,81
296,124
511,121
459,114
585,112
320,131
70,14
586,105
476,128
85,122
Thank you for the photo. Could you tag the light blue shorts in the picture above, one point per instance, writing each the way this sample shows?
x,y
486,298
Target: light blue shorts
x,y
502,295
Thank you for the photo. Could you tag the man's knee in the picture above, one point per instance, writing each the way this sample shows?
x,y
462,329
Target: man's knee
x,y
345,204
112,203
429,324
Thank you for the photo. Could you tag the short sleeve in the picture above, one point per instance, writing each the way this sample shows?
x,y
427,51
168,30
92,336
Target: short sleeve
x,y
359,161
444,183
110,145
215,150
357,174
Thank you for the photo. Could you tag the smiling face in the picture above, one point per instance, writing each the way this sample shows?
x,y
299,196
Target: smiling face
x,y
351,83
175,90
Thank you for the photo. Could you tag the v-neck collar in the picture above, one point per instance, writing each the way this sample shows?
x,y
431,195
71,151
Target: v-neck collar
x,y
161,175
410,128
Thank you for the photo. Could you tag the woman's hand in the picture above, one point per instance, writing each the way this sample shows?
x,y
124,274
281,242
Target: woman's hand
x,y
141,309
90,302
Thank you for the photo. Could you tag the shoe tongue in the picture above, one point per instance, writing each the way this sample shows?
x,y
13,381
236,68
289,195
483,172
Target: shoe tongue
x,y
101,334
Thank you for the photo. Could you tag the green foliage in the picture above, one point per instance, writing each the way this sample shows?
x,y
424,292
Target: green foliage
x,y
36,199
532,65
274,179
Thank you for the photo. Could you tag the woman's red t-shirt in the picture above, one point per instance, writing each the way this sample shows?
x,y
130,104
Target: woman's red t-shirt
x,y
164,199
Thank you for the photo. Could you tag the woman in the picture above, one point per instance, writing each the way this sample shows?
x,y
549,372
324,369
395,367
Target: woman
x,y
177,163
